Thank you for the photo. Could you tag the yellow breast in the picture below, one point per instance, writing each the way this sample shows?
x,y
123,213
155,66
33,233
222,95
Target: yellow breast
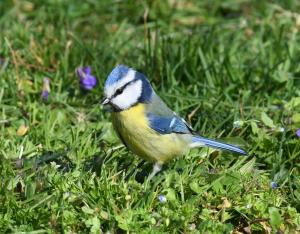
x,y
133,128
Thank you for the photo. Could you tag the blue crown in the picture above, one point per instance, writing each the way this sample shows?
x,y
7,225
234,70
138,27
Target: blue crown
x,y
121,71
117,73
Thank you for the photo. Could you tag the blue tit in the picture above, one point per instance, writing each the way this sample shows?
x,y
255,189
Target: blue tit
x,y
146,125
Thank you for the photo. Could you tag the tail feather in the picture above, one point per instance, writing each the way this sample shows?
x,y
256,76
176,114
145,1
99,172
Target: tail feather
x,y
199,141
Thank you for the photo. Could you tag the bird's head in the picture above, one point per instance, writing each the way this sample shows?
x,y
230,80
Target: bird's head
x,y
125,87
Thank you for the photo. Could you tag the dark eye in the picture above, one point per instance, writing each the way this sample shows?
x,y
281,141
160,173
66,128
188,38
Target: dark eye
x,y
119,91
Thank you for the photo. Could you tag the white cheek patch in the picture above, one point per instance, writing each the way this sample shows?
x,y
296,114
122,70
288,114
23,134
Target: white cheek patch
x,y
109,91
129,97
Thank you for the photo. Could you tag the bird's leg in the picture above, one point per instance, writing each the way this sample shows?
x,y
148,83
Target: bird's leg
x,y
156,168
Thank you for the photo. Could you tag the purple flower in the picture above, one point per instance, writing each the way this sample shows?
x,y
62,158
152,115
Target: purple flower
x,y
162,198
46,88
86,79
298,133
274,185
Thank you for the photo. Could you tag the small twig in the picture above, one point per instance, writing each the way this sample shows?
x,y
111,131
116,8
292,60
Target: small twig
x,y
259,220
14,57
40,68
190,116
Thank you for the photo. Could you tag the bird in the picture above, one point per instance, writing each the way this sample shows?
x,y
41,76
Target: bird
x,y
146,125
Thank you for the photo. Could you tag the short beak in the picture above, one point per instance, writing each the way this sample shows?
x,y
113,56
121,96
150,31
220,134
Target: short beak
x,y
105,101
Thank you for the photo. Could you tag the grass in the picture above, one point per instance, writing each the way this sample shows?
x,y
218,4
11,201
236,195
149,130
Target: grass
x,y
230,67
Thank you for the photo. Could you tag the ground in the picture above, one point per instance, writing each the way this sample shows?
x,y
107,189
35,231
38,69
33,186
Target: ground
x,y
230,68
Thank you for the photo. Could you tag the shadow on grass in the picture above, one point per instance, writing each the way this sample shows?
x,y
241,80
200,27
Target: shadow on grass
x,y
60,158
93,163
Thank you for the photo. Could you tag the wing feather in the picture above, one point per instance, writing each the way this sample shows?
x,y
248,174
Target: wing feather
x,y
163,120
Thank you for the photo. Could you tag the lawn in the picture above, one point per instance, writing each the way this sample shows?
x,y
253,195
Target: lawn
x,y
230,68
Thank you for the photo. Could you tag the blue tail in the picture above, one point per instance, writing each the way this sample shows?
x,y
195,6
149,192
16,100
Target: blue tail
x,y
201,141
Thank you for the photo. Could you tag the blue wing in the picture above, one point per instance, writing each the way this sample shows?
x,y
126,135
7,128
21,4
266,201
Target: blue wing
x,y
168,124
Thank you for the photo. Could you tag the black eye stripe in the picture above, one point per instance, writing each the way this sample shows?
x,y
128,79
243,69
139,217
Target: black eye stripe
x,y
121,89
